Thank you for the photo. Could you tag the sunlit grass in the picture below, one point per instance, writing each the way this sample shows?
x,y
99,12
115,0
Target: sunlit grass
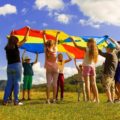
x,y
70,109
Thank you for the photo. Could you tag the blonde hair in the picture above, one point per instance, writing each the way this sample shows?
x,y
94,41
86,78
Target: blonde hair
x,y
93,51
50,43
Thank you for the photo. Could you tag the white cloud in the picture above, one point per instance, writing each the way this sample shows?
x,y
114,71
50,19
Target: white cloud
x,y
40,73
89,23
63,18
29,22
49,4
45,24
101,60
8,9
100,11
24,11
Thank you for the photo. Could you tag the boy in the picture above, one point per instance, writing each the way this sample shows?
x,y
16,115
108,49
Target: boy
x,y
28,74
110,66
80,82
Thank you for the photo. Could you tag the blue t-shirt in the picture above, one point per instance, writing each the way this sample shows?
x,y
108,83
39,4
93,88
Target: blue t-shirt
x,y
28,70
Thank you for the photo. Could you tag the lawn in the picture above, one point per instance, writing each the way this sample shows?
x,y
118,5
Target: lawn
x,y
70,109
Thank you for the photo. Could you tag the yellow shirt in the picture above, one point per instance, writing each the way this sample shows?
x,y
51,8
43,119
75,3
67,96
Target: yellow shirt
x,y
61,66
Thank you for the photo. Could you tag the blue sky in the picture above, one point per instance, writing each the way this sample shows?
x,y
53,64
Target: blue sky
x,y
75,17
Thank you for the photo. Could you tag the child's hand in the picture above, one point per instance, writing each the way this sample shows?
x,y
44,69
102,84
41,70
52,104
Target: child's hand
x,y
28,27
106,36
44,32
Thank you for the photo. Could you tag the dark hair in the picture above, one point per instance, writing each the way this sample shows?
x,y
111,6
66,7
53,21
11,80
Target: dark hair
x,y
12,42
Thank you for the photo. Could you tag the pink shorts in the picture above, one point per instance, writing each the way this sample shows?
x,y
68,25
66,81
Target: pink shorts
x,y
88,71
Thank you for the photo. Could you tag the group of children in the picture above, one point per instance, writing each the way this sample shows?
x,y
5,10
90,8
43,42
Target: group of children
x,y
54,65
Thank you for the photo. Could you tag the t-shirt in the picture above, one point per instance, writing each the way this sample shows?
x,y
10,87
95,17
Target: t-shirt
x,y
28,68
111,62
13,55
61,66
86,61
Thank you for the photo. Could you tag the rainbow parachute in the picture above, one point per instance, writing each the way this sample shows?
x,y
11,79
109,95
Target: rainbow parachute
x,y
35,41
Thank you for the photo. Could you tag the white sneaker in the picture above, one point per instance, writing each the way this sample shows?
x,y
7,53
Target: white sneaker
x,y
48,101
18,104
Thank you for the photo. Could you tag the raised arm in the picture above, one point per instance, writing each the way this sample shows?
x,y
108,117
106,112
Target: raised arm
x,y
76,64
75,44
102,53
115,42
44,37
69,59
56,41
23,56
25,38
36,59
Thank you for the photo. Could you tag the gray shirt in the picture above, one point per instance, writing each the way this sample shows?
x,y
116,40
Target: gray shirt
x,y
111,62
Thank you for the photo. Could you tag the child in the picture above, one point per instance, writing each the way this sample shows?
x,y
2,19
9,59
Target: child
x,y
60,82
14,67
51,65
81,83
89,73
117,81
28,75
110,66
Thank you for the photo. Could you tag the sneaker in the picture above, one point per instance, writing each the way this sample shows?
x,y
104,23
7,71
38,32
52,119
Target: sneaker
x,y
4,103
54,101
48,101
18,103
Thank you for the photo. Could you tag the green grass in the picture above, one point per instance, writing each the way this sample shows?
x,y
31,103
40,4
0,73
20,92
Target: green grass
x,y
70,109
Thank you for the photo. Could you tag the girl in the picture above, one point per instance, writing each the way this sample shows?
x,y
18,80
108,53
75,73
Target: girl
x,y
81,83
89,73
14,68
51,65
60,82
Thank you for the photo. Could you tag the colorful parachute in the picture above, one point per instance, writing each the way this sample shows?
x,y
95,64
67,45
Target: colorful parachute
x,y
35,41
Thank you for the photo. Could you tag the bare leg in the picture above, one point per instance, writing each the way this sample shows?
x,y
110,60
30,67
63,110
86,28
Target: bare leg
x,y
23,98
87,86
29,94
94,87
55,78
49,78
108,93
84,93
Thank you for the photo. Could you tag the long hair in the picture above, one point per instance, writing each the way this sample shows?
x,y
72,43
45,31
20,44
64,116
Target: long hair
x,y
93,51
49,44
12,42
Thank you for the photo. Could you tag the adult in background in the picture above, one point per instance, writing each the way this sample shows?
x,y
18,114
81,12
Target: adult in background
x,y
14,67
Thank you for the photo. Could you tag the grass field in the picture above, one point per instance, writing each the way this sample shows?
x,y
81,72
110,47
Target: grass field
x,y
70,109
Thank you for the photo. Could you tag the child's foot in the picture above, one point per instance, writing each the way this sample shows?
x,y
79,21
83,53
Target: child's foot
x,y
48,101
9,101
4,103
23,99
110,101
117,101
29,99
54,101
18,103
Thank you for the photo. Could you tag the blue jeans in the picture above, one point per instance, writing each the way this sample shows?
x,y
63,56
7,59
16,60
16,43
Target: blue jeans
x,y
14,73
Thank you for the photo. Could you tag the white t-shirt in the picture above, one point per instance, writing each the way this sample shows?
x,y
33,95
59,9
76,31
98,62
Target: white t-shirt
x,y
61,66
86,61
